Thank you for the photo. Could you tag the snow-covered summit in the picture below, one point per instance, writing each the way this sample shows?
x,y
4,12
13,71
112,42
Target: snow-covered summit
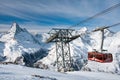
x,y
11,33
15,28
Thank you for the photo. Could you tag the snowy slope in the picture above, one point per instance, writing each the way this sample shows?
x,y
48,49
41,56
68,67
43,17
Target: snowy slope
x,y
16,72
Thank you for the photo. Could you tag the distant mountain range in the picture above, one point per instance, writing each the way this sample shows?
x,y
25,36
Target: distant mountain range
x,y
21,47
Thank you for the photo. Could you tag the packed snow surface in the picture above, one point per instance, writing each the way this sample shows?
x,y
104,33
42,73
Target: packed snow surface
x,y
17,72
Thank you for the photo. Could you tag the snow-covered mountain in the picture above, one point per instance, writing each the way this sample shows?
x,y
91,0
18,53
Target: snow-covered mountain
x,y
86,43
20,46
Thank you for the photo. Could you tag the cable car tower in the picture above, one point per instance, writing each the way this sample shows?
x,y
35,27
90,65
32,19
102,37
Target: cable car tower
x,y
102,36
62,37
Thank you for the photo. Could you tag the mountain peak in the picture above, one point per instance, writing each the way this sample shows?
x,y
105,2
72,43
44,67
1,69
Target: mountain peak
x,y
83,30
15,28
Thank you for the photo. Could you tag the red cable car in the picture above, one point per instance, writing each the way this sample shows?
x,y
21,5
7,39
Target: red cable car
x,y
100,56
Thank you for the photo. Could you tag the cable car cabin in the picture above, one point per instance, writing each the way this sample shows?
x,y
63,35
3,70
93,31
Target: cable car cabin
x,y
100,57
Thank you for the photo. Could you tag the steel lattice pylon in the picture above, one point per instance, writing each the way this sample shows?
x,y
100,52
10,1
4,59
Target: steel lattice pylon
x,y
63,56
62,37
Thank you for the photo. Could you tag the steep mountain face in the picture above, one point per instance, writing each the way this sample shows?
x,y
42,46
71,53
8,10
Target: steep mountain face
x,y
1,50
17,43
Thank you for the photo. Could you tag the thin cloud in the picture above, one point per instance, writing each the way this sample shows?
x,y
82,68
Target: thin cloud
x,y
58,12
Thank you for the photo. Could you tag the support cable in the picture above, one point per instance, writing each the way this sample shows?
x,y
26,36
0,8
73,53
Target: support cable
x,y
98,14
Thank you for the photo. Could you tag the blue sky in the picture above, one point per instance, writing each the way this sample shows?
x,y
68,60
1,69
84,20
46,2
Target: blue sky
x,y
42,15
